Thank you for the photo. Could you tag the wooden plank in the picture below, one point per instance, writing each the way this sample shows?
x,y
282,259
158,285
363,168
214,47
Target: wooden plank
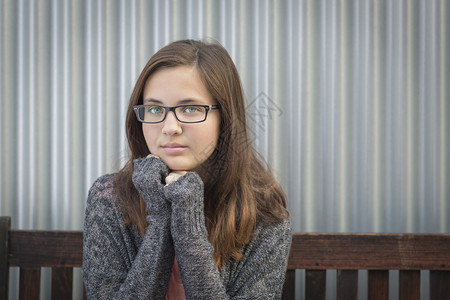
x,y
439,284
30,283
5,224
315,285
371,251
289,285
378,285
409,285
62,283
45,248
347,285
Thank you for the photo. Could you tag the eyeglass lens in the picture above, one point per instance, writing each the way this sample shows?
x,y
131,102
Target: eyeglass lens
x,y
185,113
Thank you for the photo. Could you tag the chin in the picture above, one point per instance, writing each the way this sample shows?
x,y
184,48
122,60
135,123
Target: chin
x,y
177,166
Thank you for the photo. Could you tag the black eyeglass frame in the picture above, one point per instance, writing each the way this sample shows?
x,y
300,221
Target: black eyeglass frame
x,y
172,109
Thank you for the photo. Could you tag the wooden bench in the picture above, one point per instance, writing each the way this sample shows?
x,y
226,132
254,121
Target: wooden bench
x,y
315,253
377,253
30,250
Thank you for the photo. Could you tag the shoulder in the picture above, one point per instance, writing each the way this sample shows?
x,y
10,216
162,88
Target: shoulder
x,y
103,210
104,185
101,198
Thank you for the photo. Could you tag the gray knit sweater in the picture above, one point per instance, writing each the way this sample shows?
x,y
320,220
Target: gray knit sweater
x,y
118,263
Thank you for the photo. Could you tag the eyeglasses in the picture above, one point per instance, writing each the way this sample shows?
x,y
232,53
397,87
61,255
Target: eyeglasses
x,y
184,113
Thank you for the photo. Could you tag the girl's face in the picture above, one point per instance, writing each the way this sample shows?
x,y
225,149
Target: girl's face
x,y
182,146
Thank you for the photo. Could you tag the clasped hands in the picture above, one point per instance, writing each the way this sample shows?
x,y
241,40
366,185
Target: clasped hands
x,y
155,182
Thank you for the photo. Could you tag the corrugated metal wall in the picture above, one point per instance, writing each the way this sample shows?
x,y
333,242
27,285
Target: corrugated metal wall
x,y
350,102
357,91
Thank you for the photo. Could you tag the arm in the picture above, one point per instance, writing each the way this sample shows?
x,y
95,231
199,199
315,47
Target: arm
x,y
259,275
112,267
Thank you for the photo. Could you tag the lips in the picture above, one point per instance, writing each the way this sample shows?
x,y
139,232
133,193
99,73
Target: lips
x,y
173,148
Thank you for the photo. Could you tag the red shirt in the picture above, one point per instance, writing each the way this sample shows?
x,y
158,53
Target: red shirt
x,y
175,290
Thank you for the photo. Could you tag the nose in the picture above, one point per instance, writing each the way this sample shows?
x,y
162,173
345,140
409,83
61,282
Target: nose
x,y
171,126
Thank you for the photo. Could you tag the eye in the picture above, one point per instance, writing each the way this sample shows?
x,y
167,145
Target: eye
x,y
155,110
192,109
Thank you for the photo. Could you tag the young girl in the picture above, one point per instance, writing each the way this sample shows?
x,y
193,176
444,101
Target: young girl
x,y
193,214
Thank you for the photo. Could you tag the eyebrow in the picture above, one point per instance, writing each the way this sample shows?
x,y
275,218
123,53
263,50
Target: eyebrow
x,y
159,102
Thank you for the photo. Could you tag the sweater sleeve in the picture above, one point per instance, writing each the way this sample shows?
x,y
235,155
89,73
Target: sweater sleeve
x,y
261,273
258,275
113,266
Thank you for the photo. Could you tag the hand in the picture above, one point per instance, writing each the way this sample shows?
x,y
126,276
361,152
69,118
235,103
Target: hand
x,y
148,178
183,187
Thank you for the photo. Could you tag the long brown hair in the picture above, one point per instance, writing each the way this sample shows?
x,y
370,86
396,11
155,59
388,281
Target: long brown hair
x,y
239,189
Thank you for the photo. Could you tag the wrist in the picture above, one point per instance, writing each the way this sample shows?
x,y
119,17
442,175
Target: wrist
x,y
159,217
188,221
150,165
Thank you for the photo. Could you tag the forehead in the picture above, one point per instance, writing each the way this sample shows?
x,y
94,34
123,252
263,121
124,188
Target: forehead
x,y
175,84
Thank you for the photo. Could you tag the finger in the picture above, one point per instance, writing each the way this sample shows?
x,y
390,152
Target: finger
x,y
170,178
173,176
